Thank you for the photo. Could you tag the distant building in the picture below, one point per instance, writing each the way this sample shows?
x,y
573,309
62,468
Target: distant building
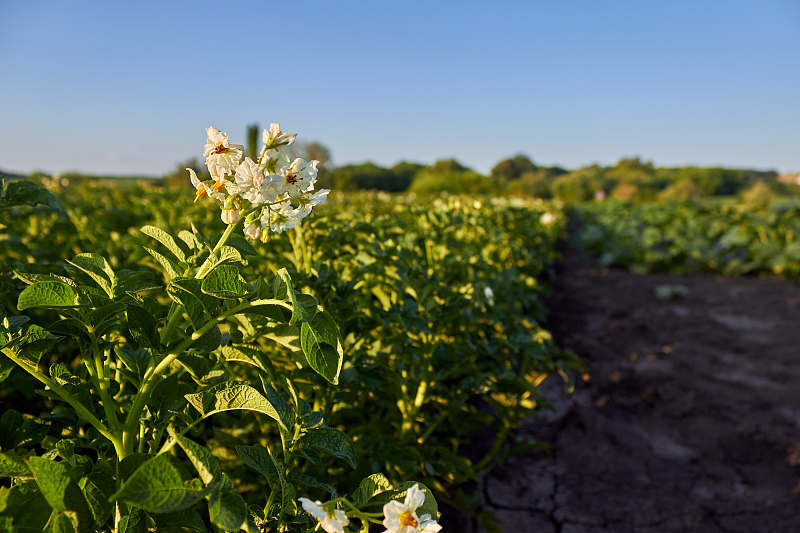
x,y
791,178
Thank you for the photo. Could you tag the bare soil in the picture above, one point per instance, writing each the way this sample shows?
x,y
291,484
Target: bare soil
x,y
687,419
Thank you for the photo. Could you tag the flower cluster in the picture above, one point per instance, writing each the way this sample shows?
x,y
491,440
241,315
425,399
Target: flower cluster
x,y
397,517
274,193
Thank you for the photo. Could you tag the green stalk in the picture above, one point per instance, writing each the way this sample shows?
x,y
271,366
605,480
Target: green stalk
x,y
498,442
109,405
152,376
210,259
62,393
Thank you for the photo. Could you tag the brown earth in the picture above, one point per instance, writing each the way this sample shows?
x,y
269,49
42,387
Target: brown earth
x,y
688,418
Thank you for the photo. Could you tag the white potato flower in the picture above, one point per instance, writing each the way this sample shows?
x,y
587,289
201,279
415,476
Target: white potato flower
x,y
276,153
489,294
308,200
249,180
298,177
282,217
252,231
547,219
402,517
222,157
274,137
332,521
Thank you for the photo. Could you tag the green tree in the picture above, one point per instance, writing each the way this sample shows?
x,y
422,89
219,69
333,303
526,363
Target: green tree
x,y
405,171
451,176
513,167
366,175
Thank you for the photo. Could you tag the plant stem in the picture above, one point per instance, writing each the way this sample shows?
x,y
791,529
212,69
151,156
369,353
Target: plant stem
x,y
62,393
210,259
109,405
152,376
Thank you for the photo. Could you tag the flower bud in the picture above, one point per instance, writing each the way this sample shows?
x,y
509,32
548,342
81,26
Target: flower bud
x,y
230,216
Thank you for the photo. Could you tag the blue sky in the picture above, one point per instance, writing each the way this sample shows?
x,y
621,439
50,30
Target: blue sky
x,y
124,87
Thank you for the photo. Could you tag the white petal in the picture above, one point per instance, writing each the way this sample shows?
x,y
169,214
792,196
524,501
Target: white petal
x,y
193,176
414,497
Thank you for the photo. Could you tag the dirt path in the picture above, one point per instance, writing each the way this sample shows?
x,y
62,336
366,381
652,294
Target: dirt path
x,y
690,418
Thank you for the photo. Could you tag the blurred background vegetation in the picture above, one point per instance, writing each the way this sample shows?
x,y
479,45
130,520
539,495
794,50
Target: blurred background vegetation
x,y
631,178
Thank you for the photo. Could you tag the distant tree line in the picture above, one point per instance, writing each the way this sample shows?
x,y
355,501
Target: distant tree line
x,y
631,178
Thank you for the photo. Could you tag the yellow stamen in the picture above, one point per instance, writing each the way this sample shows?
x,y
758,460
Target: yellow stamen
x,y
407,519
221,149
201,191
218,185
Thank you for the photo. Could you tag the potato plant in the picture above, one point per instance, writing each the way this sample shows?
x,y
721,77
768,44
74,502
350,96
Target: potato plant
x,y
137,365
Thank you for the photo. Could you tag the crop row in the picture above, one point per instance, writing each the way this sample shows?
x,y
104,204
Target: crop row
x,y
711,235
437,336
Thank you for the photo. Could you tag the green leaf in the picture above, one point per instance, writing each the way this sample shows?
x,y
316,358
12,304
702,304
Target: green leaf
x,y
156,486
370,487
25,192
6,367
208,341
309,481
229,254
242,245
62,522
204,462
285,335
279,403
227,510
199,306
169,242
232,397
17,431
98,269
96,487
53,480
225,282
259,459
332,441
170,268
136,521
245,354
322,345
29,278
133,282
181,521
33,344
47,294
11,465
58,489
142,326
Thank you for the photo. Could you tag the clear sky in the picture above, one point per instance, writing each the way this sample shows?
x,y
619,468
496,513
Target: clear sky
x,y
128,87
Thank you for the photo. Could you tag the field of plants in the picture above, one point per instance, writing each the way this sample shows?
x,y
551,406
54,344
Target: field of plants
x,y
162,372
724,236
